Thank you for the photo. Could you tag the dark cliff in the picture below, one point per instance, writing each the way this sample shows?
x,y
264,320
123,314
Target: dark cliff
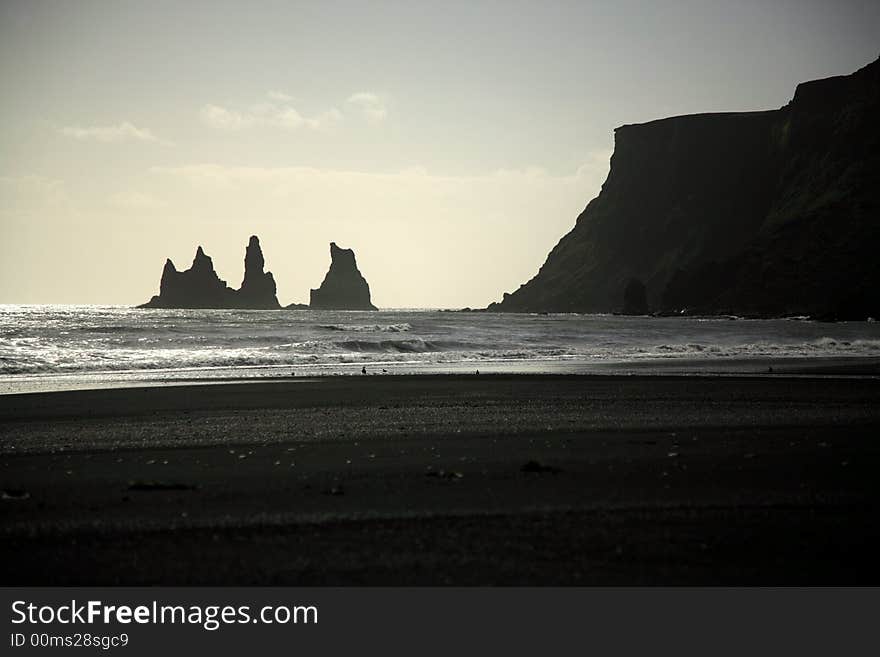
x,y
344,288
201,287
757,213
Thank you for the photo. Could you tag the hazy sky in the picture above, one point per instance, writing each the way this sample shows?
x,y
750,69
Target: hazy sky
x,y
450,144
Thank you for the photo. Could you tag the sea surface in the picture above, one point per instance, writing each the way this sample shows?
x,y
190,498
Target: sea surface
x,y
54,347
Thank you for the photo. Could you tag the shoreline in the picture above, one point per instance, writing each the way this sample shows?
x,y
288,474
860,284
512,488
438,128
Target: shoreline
x,y
819,366
490,479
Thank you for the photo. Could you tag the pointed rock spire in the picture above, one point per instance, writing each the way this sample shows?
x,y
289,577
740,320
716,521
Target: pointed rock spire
x,y
197,287
344,288
258,287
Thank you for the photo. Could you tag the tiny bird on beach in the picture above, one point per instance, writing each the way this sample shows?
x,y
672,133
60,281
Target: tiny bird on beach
x,y
363,370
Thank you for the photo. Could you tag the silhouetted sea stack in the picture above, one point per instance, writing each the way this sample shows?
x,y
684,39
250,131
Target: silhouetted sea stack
x,y
768,213
344,288
201,287
197,287
258,287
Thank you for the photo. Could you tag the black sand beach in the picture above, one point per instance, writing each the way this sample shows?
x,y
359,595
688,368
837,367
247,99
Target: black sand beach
x,y
462,479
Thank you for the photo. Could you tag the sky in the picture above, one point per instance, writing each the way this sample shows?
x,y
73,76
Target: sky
x,y
451,145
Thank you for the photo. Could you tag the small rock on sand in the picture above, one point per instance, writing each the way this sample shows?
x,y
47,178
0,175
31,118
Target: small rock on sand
x,y
443,474
159,485
534,466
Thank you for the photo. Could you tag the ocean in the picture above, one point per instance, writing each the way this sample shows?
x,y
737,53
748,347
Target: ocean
x,y
46,347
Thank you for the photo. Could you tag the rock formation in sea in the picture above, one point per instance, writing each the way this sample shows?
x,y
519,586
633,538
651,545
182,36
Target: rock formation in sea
x,y
201,287
258,287
197,287
767,213
344,288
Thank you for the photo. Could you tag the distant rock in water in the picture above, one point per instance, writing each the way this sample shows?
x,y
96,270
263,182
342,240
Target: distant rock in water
x,y
767,213
344,288
197,287
258,287
201,287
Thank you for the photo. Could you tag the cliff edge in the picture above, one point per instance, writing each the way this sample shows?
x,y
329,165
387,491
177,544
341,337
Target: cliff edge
x,y
757,213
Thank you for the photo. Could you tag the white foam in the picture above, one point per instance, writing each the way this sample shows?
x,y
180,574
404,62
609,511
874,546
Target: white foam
x,y
72,339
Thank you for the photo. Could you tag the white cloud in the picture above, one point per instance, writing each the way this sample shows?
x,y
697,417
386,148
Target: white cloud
x,y
268,114
224,119
124,131
280,97
590,173
324,119
371,105
279,112
133,200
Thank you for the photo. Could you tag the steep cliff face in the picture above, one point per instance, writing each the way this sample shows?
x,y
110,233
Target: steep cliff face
x,y
200,287
344,288
759,213
258,287
197,287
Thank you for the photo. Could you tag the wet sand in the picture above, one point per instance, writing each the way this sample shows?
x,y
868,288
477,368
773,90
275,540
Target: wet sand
x,y
492,479
813,366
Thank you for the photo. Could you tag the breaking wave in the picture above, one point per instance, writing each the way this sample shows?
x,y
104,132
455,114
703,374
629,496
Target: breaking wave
x,y
822,347
368,328
70,339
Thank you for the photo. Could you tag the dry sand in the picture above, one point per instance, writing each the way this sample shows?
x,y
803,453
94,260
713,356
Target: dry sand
x,y
499,479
